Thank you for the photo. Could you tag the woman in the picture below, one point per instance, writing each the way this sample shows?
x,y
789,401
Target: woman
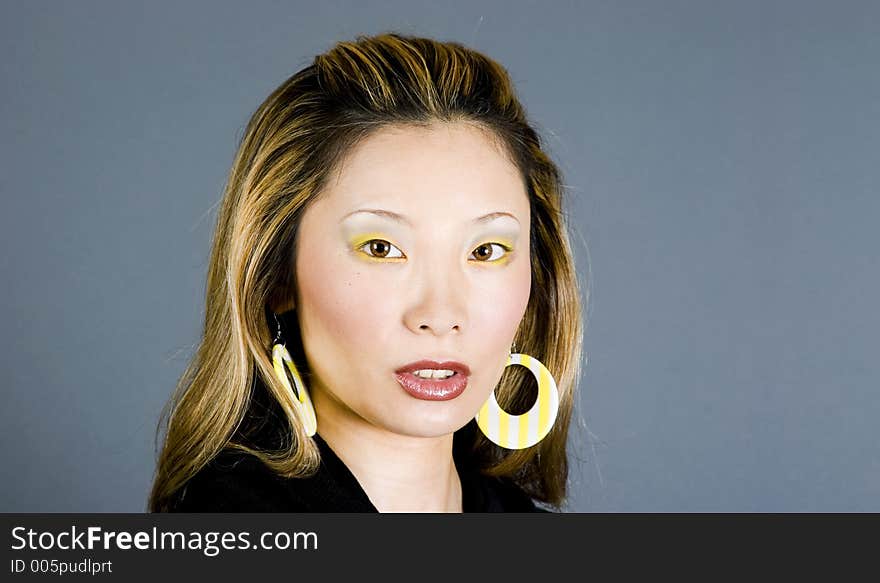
x,y
393,319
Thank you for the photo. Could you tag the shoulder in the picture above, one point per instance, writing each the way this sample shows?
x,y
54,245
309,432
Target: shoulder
x,y
234,482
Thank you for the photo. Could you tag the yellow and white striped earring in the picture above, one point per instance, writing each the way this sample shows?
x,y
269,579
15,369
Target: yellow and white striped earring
x,y
301,401
522,431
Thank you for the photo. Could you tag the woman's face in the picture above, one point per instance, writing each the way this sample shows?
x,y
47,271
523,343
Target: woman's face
x,y
418,248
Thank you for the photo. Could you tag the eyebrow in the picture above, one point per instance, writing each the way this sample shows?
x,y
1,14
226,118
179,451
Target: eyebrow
x,y
402,219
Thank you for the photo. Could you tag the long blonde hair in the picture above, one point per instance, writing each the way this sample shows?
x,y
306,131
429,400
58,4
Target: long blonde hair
x,y
292,143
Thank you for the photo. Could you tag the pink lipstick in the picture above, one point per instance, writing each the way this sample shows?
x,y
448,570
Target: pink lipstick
x,y
433,389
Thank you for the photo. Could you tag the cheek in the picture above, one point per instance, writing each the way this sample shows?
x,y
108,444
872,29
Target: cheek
x,y
340,305
502,304
346,307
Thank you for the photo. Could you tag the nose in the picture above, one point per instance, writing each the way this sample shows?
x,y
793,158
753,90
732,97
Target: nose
x,y
439,301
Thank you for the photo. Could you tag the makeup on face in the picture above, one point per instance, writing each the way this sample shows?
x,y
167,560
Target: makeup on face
x,y
418,252
429,380
498,231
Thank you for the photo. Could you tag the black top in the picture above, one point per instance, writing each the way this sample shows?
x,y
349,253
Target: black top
x,y
239,482
236,481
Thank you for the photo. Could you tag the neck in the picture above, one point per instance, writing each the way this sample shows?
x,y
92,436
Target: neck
x,y
399,473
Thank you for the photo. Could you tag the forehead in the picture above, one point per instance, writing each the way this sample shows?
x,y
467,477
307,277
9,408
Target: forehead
x,y
444,167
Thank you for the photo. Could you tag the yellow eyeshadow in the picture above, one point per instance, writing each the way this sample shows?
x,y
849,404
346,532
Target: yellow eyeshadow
x,y
361,240
508,255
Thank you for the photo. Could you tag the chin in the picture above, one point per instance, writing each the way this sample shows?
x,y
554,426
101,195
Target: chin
x,y
421,421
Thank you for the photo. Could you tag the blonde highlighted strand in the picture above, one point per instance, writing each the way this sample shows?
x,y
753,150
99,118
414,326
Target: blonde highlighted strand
x,y
292,143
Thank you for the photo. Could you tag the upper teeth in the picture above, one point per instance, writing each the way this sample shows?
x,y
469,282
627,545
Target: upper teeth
x,y
432,373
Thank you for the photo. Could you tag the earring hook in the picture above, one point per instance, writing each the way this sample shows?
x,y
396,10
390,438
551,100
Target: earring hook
x,y
278,339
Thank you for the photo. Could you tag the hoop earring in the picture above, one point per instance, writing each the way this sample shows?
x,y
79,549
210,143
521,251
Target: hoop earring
x,y
522,431
301,400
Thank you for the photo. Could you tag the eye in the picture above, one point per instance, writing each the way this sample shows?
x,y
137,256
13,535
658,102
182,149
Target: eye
x,y
380,249
485,254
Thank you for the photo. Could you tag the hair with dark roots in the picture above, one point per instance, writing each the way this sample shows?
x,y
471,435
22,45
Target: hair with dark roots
x,y
293,142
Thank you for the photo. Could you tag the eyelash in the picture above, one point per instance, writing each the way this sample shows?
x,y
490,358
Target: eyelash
x,y
506,248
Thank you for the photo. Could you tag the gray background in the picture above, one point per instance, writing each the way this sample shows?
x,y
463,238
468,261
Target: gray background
x,y
722,167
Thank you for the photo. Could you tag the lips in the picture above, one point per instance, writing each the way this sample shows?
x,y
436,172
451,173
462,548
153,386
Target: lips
x,y
433,389
458,367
